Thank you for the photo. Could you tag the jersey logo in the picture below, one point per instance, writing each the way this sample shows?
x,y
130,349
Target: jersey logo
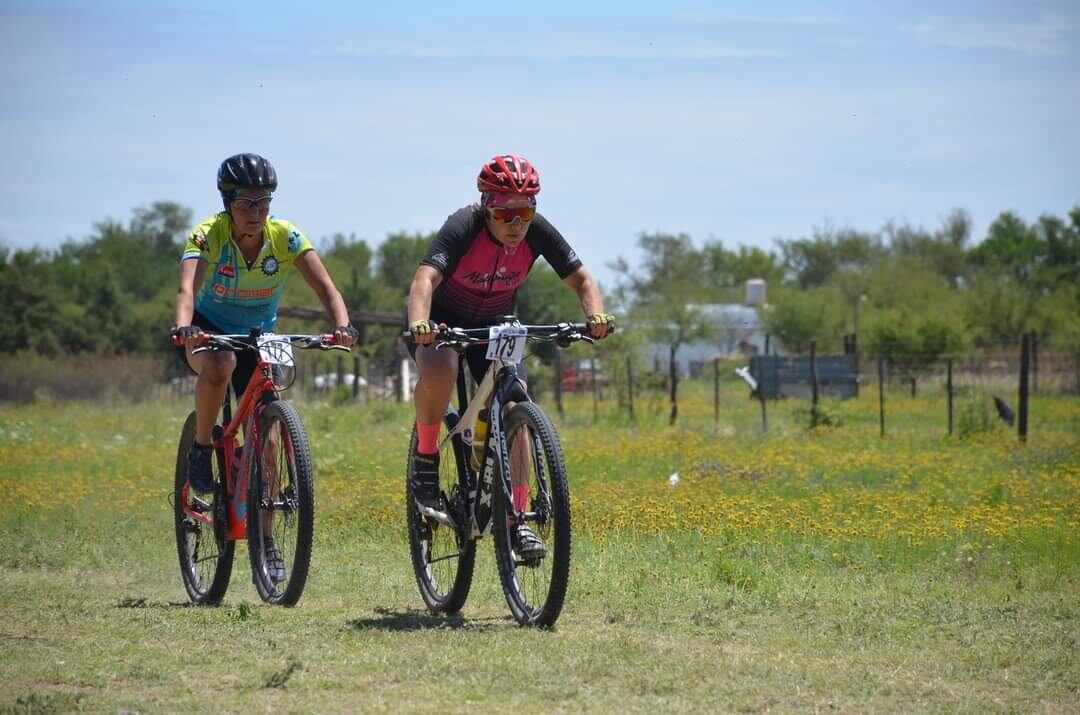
x,y
270,265
294,243
508,279
226,270
199,239
441,259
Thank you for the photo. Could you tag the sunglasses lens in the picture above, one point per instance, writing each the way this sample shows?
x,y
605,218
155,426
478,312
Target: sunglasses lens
x,y
252,204
508,215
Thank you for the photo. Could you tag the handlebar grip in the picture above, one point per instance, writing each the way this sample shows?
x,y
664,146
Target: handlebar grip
x,y
179,341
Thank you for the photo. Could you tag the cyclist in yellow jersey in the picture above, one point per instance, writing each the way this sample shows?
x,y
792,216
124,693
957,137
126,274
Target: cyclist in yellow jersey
x,y
232,274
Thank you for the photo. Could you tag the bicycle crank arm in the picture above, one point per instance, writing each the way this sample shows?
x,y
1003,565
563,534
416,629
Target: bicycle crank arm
x,y
440,516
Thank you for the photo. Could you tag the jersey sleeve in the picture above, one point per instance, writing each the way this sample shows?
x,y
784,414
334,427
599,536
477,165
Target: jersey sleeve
x,y
452,241
550,244
296,242
198,244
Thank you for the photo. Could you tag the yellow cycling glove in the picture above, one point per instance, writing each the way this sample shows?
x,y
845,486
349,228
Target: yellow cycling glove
x,y
419,328
601,320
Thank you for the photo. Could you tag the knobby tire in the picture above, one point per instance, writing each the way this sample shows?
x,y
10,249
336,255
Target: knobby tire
x,y
206,556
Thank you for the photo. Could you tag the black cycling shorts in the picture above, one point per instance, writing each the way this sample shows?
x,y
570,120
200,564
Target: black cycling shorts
x,y
246,360
476,356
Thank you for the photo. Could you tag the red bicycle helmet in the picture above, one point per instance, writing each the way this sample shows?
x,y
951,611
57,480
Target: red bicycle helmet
x,y
508,173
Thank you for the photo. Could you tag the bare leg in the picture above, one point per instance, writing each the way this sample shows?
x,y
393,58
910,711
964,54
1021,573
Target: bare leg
x,y
214,369
438,370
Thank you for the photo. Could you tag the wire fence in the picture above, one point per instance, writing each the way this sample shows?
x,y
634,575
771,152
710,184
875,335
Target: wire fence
x,y
971,390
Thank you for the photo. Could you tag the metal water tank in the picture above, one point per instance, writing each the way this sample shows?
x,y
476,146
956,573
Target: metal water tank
x,y
755,291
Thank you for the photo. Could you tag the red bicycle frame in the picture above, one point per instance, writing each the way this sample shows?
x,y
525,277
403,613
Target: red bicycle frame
x,y
247,413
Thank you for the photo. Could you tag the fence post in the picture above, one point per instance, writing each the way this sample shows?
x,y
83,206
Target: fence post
x,y
1025,366
595,385
855,353
367,379
1034,363
948,390
716,391
881,391
356,376
630,386
776,376
761,399
813,385
558,382
1077,373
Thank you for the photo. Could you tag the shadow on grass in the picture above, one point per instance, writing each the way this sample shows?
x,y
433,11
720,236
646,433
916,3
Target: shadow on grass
x,y
143,603
417,620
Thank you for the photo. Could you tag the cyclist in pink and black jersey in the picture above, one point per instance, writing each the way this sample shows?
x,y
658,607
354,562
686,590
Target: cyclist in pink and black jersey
x,y
469,278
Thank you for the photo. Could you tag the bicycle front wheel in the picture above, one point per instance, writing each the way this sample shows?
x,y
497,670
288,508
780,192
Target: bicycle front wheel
x,y
534,584
442,557
281,506
206,556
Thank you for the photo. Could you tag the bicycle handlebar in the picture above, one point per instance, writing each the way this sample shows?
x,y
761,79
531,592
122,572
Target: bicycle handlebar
x,y
560,333
217,341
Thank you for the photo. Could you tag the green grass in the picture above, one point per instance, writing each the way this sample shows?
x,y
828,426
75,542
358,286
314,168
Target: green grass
x,y
698,598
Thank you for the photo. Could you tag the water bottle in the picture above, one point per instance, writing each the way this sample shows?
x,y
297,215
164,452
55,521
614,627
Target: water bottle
x,y
479,436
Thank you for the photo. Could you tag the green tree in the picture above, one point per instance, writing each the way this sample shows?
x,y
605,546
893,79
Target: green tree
x,y
396,260
349,262
811,262
911,341
1011,250
943,252
997,311
664,292
795,318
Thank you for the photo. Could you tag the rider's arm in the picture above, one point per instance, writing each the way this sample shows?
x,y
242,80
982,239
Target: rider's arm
x,y
587,291
192,272
314,272
424,283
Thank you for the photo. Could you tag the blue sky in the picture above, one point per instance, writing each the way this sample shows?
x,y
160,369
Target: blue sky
x,y
724,121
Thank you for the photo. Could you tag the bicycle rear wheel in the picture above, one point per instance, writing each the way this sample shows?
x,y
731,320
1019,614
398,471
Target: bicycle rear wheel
x,y
281,506
442,557
206,556
535,588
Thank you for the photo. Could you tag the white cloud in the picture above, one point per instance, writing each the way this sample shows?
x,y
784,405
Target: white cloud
x,y
1048,35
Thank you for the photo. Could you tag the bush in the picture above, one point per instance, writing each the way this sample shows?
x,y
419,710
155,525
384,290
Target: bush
x,y
975,417
25,377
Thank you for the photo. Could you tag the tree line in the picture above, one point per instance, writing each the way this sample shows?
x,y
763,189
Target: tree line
x,y
903,289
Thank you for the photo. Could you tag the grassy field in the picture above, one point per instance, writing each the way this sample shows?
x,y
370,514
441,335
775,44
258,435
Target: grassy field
x,y
831,571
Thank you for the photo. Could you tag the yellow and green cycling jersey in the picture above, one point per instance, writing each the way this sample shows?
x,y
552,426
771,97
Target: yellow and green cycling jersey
x,y
233,296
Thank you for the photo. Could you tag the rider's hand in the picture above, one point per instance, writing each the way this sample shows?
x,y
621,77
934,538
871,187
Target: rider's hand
x,y
601,325
187,335
346,335
423,331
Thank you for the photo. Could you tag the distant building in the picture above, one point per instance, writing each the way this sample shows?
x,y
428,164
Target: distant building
x,y
737,330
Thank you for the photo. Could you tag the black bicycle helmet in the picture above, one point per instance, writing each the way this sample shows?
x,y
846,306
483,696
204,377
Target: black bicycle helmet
x,y
245,171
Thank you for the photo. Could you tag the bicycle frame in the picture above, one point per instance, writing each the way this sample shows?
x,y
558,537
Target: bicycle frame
x,y
500,382
248,409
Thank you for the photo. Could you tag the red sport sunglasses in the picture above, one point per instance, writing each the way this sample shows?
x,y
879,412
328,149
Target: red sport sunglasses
x,y
503,214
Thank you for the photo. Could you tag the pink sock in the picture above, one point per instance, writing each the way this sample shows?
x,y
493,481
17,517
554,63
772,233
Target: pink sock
x,y
520,493
427,438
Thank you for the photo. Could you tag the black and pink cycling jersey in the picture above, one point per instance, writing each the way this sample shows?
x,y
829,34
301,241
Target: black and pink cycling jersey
x,y
480,276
